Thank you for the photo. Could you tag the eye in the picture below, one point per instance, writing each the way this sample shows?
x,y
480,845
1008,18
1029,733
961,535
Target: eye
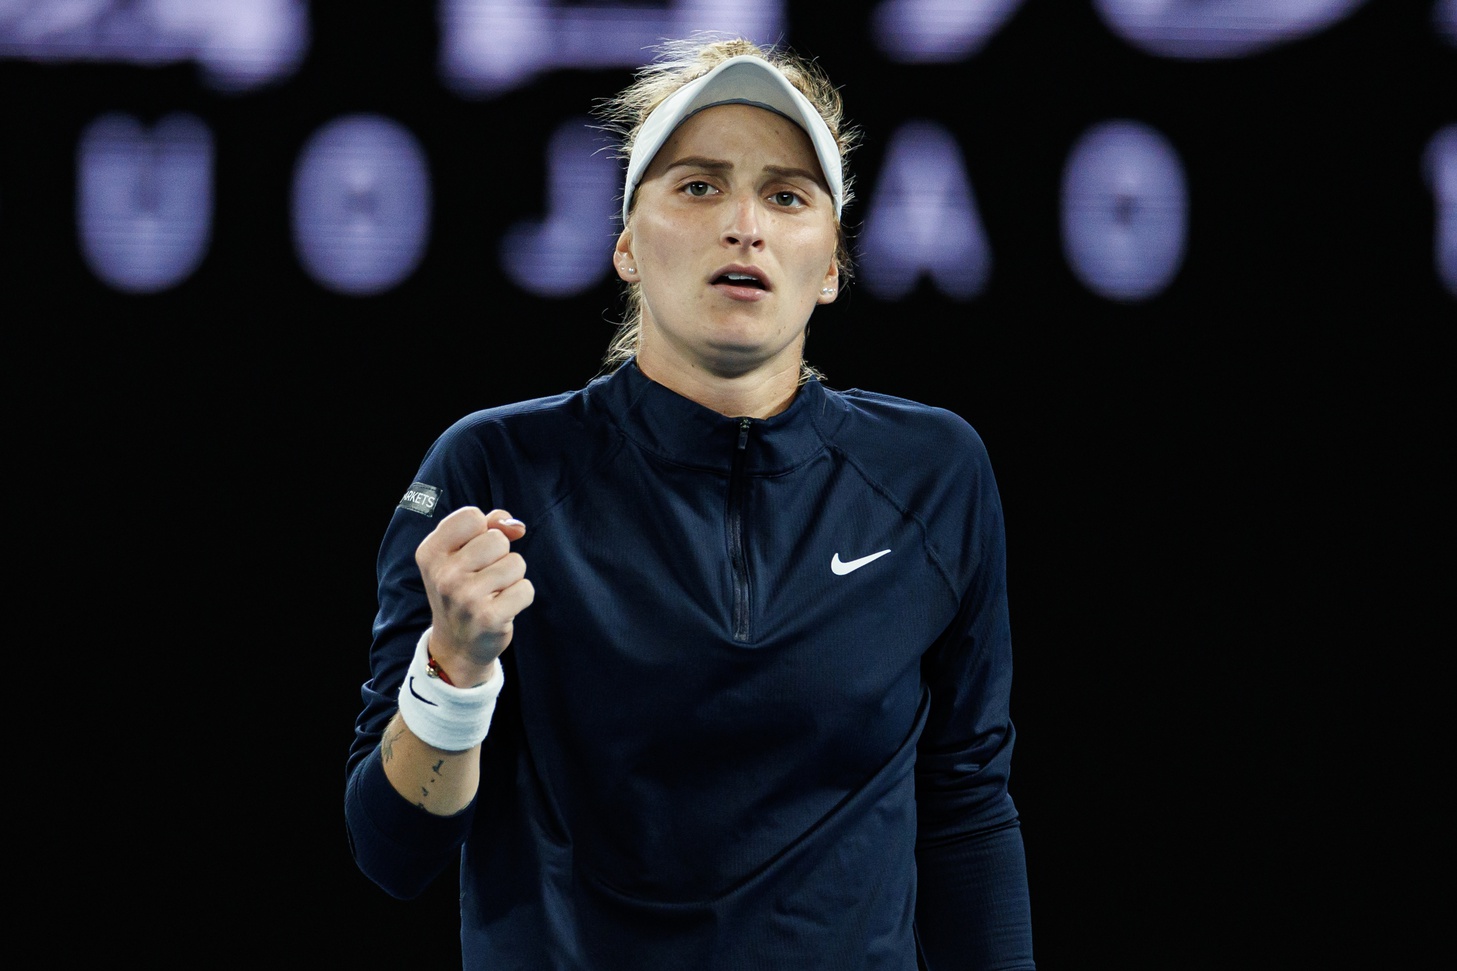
x,y
787,199
698,188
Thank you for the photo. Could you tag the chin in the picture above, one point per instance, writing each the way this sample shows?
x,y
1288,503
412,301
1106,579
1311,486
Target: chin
x,y
735,359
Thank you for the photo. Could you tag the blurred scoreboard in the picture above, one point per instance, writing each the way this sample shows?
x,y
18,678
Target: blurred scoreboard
x,y
364,196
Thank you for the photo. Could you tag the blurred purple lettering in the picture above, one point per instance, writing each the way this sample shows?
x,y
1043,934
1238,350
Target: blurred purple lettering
x,y
571,249
1202,29
144,200
922,219
912,31
361,204
239,44
489,47
1441,169
1125,211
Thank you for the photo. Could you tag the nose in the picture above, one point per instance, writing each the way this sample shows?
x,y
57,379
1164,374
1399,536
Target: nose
x,y
743,229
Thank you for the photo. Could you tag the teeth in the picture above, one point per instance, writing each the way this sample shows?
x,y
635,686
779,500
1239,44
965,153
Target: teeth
x,y
741,276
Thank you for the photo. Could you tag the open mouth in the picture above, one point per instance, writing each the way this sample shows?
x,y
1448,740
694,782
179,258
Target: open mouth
x,y
740,280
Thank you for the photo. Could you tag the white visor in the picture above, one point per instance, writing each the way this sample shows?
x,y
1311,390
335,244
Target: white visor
x,y
746,80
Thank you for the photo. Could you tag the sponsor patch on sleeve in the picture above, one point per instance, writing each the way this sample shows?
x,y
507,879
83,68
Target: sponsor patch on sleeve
x,y
421,498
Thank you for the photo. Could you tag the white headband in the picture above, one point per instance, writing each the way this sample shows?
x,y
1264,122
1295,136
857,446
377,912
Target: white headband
x,y
744,79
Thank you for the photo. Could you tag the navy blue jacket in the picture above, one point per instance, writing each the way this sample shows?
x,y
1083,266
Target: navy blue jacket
x,y
719,746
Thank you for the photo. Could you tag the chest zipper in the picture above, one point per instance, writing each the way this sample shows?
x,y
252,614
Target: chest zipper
x,y
738,559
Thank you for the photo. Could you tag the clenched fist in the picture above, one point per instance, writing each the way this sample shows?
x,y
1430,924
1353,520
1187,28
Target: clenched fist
x,y
476,586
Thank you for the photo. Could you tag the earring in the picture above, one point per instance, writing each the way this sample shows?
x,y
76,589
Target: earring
x,y
630,269
827,291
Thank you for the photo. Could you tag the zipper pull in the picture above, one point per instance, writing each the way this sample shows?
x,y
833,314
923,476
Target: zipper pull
x,y
744,424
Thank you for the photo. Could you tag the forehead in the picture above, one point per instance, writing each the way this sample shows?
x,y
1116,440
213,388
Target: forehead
x,y
742,135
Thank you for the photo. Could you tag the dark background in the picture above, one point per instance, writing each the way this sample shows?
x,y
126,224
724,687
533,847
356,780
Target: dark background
x,y
1225,505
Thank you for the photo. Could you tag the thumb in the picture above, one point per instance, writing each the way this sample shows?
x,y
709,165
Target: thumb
x,y
506,523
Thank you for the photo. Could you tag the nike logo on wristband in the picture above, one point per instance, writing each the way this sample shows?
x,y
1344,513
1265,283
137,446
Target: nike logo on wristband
x,y
417,694
840,567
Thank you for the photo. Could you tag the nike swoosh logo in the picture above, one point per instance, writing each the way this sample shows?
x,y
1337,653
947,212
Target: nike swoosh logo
x,y
417,694
840,567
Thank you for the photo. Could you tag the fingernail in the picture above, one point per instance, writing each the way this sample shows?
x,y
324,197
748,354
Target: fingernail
x,y
512,522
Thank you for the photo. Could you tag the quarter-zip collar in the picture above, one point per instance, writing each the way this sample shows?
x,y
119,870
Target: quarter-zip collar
x,y
680,430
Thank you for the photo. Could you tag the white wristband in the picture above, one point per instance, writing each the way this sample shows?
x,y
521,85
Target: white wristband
x,y
449,718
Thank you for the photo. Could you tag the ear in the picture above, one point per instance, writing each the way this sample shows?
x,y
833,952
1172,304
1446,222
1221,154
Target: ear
x,y
831,284
622,259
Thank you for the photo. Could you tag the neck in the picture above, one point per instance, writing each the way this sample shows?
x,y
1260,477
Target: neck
x,y
756,394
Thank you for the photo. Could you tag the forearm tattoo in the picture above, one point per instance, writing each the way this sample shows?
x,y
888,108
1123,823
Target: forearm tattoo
x,y
387,744
387,754
435,774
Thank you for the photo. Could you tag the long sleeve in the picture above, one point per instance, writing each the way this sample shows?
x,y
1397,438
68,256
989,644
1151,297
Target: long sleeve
x,y
398,845
973,911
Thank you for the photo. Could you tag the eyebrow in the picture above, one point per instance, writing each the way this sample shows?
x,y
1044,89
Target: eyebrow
x,y
718,165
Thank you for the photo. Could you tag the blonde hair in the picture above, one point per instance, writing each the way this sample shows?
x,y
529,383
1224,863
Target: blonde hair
x,y
678,63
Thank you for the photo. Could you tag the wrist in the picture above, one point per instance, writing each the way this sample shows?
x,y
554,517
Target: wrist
x,y
455,671
449,718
